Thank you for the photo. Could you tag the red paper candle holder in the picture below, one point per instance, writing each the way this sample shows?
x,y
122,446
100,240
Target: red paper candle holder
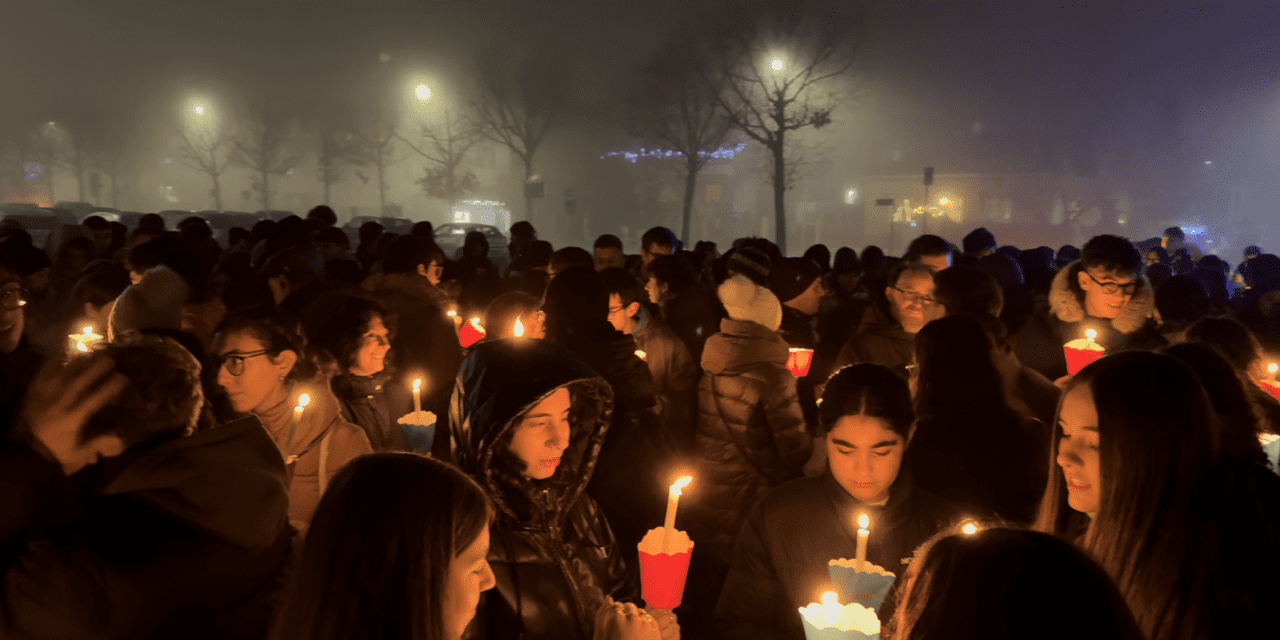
x,y
1078,359
662,578
798,361
470,333
1271,389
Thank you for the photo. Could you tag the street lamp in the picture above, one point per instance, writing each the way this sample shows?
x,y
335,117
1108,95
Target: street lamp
x,y
199,109
423,92
944,201
778,65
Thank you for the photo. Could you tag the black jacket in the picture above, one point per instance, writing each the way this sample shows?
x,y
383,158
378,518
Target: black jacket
x,y
780,561
188,539
364,404
552,552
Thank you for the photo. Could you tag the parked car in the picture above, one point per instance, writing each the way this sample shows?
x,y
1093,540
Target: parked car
x,y
451,237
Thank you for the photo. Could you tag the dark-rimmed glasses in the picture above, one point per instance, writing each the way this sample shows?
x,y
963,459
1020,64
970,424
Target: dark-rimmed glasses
x,y
1110,288
235,362
918,298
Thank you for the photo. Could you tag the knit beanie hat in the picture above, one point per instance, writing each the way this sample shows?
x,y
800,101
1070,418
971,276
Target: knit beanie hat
x,y
752,263
745,300
154,303
791,277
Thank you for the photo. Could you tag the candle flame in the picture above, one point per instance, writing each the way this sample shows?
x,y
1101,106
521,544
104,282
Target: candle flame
x,y
518,330
641,354
88,330
969,528
417,385
863,521
829,598
1091,334
451,313
1272,368
81,346
678,486
303,400
475,322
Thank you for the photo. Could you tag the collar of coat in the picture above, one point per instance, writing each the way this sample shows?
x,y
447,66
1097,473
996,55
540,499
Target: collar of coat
x,y
1068,306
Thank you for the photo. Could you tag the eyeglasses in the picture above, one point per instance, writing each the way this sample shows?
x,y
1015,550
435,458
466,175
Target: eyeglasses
x,y
613,310
235,362
1112,287
13,298
918,298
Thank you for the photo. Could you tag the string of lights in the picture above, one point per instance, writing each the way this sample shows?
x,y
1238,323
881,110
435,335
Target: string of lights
x,y
723,153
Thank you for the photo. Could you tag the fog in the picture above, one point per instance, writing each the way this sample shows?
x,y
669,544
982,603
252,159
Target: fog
x,y
1046,122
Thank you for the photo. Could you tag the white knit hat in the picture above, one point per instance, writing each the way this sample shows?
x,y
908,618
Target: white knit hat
x,y
745,300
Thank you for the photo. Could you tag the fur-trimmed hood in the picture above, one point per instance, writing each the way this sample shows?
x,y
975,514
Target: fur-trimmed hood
x,y
1067,302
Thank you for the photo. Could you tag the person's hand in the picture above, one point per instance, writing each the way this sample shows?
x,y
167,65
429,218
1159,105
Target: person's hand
x,y
59,403
668,624
619,621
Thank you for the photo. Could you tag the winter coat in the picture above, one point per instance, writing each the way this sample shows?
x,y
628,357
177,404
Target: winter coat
x,y
425,345
364,404
889,345
751,432
780,566
636,462
187,539
552,552
987,463
322,443
675,377
693,315
1067,321
797,329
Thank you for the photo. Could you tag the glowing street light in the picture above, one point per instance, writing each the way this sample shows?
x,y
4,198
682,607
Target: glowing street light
x,y
423,92
199,109
944,201
778,65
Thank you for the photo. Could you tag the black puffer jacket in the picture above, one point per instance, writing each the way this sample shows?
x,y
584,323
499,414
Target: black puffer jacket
x,y
552,552
751,432
364,404
780,566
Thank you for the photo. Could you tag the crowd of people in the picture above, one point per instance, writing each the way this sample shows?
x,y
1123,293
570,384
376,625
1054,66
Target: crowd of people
x,y
237,441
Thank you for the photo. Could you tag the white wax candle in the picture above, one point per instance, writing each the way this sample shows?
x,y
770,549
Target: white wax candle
x,y
417,396
673,502
831,609
1091,335
1271,369
861,558
517,330
303,400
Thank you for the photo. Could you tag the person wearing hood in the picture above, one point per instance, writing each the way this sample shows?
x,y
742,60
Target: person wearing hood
x,y
117,521
426,343
887,330
265,368
867,419
636,458
1104,291
528,420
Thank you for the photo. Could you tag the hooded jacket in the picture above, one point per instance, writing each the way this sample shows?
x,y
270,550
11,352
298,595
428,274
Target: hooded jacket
x,y
675,376
188,540
364,404
779,567
751,432
322,443
552,552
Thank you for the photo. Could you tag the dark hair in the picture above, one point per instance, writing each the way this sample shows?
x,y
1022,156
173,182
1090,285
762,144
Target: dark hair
x,y
660,236
979,239
867,389
1162,256
847,262
98,287
537,254
1239,417
152,221
523,230
378,553
261,230
575,299
333,235
163,398
968,291
872,258
621,282
1231,338
1181,301
1003,583
820,255
1113,254
1158,448
1158,274
571,257
236,235
504,309
608,241
1253,250
408,251
674,271
423,229
95,223
336,323
1174,233
278,331
927,245
958,374
369,231
323,215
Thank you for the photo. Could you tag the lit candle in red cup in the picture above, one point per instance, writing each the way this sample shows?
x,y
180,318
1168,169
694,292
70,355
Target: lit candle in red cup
x,y
642,355
664,556
1081,352
471,333
798,361
1270,385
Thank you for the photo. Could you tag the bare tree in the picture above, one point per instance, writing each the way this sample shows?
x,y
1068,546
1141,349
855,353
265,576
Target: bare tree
x,y
445,143
40,145
261,143
674,107
71,152
517,103
204,146
374,146
779,75
334,155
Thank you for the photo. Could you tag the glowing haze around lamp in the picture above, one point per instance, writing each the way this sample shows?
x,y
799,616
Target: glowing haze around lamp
x,y
858,580
1082,352
664,556
830,620
470,333
798,361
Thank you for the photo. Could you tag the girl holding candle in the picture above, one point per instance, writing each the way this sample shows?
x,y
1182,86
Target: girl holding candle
x,y
529,419
264,366
1188,534
778,566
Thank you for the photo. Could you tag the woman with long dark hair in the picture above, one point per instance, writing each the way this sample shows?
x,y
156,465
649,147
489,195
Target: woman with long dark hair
x,y
970,446
1239,418
1188,535
408,563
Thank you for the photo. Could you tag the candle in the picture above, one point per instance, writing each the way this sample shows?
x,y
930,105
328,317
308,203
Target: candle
x,y
673,503
1091,335
831,608
1271,369
798,361
830,619
969,528
518,329
1081,352
642,355
84,340
861,558
303,400
470,333
417,396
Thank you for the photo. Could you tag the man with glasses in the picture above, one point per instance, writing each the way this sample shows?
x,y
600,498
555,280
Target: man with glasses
x,y
19,361
910,305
